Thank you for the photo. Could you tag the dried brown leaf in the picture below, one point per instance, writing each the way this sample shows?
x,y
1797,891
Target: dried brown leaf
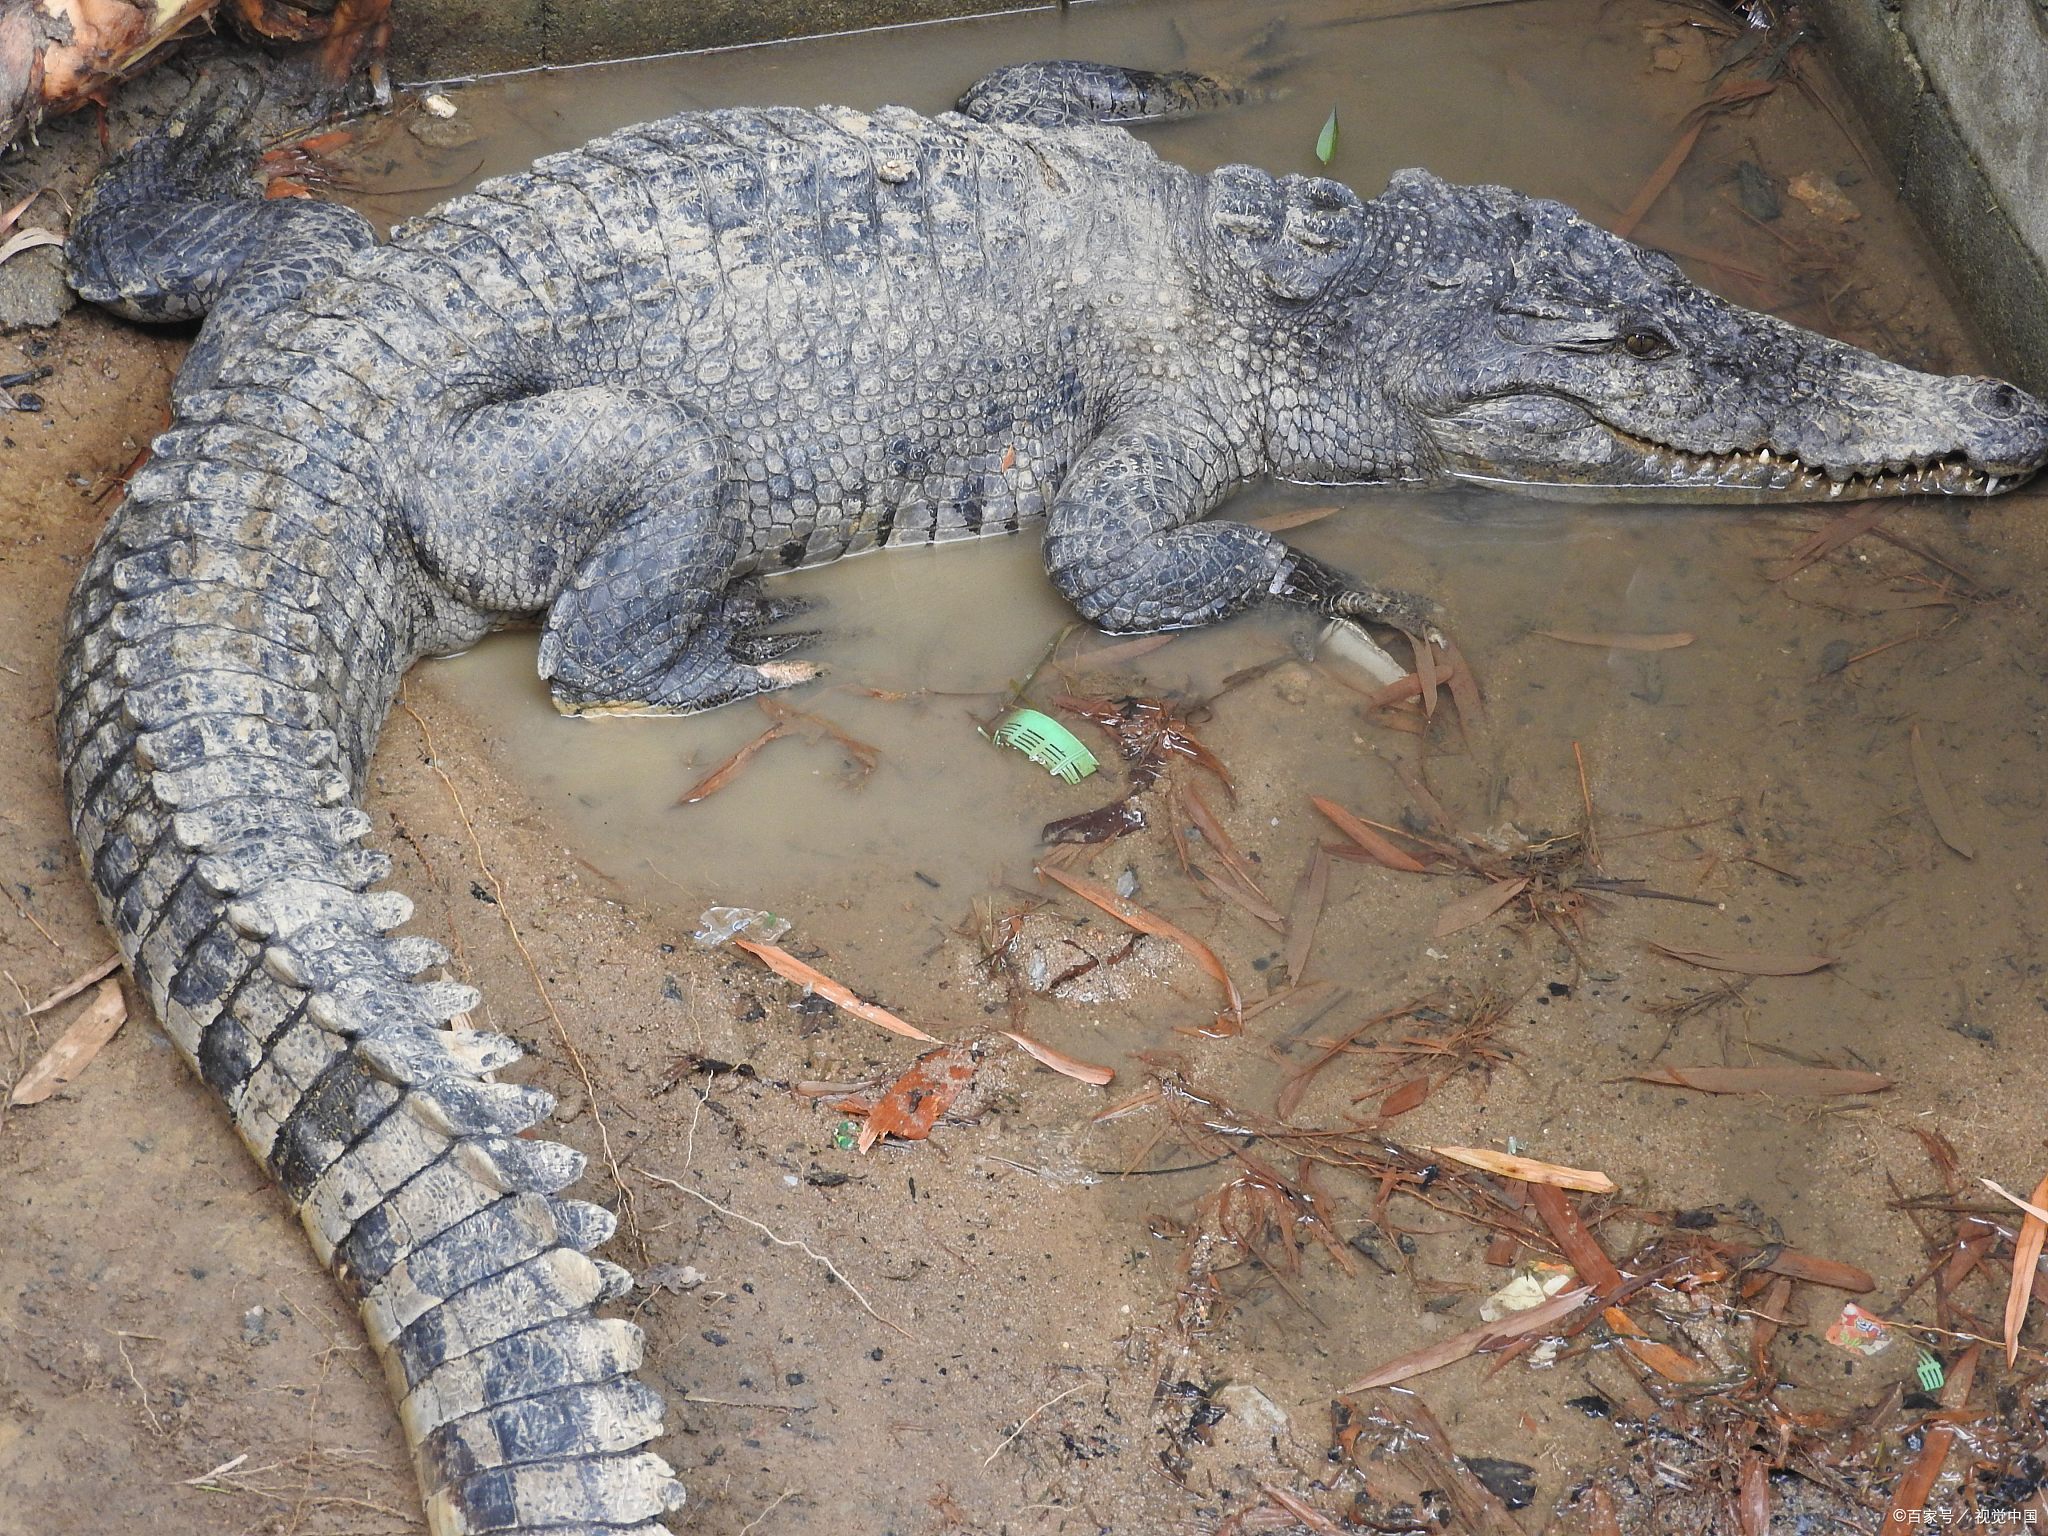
x,y
915,1101
1618,640
1477,906
1528,1169
75,1048
1407,1096
1661,1358
27,240
787,966
729,770
1371,841
1909,1499
1217,837
1941,810
1463,1345
1134,916
77,984
9,215
1059,1061
2026,1256
1746,962
1803,1266
1299,517
1785,1080
1305,912
1574,1239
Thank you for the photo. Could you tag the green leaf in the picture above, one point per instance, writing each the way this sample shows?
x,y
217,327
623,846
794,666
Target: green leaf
x,y
1326,141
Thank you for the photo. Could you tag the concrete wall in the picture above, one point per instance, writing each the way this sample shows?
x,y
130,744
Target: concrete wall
x,y
1955,93
438,39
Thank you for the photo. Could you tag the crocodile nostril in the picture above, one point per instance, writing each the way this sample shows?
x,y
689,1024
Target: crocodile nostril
x,y
1997,399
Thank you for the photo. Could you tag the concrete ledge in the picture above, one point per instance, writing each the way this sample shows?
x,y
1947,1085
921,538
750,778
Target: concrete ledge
x,y
1955,95
438,39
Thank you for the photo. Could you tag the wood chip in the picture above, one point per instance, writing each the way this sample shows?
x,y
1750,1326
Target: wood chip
x,y
1132,915
1786,1081
1746,962
1618,640
787,966
1941,810
1470,910
76,1047
1510,1166
1059,1061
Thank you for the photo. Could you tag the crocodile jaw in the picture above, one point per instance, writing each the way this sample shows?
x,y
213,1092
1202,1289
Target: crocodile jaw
x,y
1641,471
1550,446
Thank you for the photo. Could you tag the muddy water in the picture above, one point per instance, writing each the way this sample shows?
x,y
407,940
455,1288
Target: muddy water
x,y
1774,745
1551,97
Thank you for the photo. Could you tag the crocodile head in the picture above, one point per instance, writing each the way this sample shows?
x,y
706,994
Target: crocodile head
x,y
1501,340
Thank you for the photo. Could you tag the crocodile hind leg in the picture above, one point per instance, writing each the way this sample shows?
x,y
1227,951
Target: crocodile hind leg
x,y
1125,545
175,229
1056,93
611,510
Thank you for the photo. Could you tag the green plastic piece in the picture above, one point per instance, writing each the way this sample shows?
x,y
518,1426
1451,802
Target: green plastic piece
x,y
1929,1371
846,1135
1047,743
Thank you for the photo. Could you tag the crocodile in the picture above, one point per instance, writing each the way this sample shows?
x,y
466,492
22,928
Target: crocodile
x,y
607,396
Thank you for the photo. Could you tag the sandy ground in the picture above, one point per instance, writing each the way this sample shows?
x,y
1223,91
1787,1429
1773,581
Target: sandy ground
x,y
967,1333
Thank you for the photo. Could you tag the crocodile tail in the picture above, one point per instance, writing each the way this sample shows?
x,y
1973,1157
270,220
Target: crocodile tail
x,y
230,652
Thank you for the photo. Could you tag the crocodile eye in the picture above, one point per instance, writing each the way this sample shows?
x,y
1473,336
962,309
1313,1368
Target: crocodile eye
x,y
1646,344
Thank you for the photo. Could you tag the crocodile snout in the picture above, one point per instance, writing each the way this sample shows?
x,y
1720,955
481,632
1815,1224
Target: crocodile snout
x,y
2007,427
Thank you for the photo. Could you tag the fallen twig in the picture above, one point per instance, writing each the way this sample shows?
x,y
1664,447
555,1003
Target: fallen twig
x,y
781,1242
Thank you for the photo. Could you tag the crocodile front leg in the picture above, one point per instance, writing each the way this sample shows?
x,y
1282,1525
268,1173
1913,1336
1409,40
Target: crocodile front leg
x,y
175,229
1125,545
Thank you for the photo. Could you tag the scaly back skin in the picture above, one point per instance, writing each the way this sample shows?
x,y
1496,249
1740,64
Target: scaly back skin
x,y
608,393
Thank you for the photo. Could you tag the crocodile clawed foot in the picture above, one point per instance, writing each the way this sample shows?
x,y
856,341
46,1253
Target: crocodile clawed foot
x,y
730,655
1308,581
1419,618
746,615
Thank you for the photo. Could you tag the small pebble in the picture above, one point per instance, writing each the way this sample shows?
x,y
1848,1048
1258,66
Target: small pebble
x,y
28,400
438,105
1822,198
